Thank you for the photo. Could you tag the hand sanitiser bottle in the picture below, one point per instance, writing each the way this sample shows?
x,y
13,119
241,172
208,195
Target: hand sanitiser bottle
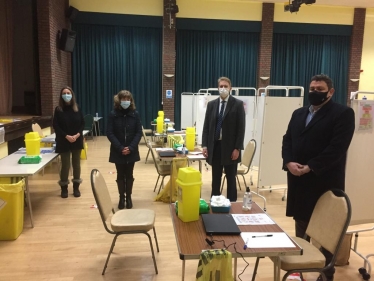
x,y
247,200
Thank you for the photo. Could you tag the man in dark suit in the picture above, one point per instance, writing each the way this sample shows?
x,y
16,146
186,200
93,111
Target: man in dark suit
x,y
314,153
223,136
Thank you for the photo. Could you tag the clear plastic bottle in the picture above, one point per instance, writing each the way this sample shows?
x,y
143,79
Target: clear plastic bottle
x,y
184,150
247,199
364,98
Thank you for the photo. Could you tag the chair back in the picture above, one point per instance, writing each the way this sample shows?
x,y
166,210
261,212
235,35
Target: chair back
x,y
88,122
249,153
102,196
330,219
36,128
145,137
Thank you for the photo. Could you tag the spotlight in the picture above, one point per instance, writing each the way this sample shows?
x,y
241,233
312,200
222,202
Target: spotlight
x,y
293,6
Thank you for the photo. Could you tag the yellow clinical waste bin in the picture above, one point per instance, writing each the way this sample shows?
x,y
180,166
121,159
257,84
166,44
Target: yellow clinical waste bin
x,y
84,151
32,141
11,215
189,185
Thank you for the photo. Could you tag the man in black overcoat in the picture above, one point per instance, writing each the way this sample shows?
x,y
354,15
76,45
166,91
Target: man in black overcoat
x,y
314,152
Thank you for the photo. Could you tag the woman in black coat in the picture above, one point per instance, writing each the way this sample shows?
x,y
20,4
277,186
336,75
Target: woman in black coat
x,y
68,123
124,131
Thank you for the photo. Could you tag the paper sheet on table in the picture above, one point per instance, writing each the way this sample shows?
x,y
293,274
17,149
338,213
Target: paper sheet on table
x,y
195,152
198,157
164,149
277,240
252,219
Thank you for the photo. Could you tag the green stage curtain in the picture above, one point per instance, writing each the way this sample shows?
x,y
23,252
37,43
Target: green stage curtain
x,y
107,59
296,58
203,56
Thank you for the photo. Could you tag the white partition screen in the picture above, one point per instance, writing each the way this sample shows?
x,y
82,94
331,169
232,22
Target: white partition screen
x,y
276,115
359,171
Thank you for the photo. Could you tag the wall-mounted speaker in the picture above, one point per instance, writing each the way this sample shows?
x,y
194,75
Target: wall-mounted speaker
x,y
72,13
67,40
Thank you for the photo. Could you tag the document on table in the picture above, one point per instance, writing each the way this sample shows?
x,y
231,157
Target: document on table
x,y
164,149
252,219
195,152
267,240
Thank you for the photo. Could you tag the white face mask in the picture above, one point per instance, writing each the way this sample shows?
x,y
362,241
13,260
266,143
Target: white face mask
x,y
66,97
125,104
223,92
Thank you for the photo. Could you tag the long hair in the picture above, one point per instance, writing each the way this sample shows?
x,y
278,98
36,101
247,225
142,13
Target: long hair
x,y
72,103
123,94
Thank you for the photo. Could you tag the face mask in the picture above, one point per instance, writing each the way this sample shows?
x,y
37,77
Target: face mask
x,y
66,97
317,98
223,92
125,104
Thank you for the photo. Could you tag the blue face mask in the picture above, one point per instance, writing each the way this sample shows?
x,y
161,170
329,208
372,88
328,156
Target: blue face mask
x,y
66,97
125,104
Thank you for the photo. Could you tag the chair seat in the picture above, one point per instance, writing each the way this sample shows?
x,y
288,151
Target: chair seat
x,y
148,131
241,171
164,169
312,257
133,220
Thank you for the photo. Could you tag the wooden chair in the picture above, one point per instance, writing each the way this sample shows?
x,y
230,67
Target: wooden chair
x,y
149,144
246,163
127,221
163,170
327,227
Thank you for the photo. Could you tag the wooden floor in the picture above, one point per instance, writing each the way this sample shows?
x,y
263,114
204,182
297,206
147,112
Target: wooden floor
x,y
69,242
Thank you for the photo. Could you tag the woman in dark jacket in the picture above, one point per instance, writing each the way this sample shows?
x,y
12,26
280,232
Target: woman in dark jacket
x,y
124,131
68,123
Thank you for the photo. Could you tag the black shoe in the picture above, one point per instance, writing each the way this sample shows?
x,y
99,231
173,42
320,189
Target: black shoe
x,y
328,278
64,191
128,202
121,203
76,191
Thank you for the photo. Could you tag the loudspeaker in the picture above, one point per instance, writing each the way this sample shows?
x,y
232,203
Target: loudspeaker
x,y
72,13
67,40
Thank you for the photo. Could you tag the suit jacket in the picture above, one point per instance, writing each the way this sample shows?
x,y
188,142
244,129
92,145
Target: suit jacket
x,y
233,129
322,145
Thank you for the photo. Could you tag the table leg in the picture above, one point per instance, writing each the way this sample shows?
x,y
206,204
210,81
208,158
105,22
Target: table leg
x,y
98,127
95,122
183,269
277,265
29,200
200,167
235,266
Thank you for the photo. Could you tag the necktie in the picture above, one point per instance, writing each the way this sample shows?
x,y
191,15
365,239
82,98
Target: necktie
x,y
219,121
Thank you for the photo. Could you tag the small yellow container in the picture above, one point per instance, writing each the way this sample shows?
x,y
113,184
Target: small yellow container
x,y
32,141
83,152
189,186
160,124
11,216
190,138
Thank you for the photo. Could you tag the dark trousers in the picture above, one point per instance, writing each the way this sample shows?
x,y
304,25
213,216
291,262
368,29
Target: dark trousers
x,y
230,171
125,171
65,166
300,229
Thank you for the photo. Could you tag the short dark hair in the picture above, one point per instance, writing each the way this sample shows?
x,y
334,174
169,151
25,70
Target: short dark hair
x,y
325,78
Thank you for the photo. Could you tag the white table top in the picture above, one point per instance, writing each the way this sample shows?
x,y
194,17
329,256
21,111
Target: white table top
x,y
9,166
96,119
52,138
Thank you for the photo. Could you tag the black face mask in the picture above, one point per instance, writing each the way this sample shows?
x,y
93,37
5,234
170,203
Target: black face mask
x,y
317,98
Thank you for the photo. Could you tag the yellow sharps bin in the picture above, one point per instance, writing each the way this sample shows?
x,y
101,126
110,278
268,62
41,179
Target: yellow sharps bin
x,y
189,185
11,215
32,141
